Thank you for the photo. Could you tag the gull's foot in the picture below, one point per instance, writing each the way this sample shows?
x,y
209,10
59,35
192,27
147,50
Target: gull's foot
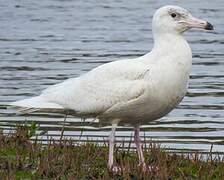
x,y
116,169
147,168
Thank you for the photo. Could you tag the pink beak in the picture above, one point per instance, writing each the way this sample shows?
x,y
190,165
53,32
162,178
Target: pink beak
x,y
193,22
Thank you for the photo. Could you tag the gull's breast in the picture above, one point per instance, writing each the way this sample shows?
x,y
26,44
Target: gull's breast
x,y
168,84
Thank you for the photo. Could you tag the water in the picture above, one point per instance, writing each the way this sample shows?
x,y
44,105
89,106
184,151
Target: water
x,y
46,42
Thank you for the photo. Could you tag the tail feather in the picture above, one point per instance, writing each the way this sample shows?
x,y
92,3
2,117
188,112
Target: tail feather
x,y
35,104
27,110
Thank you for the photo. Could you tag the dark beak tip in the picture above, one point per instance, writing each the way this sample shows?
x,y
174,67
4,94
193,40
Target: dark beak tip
x,y
209,26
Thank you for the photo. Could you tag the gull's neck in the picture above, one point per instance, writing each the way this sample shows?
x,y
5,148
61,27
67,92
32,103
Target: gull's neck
x,y
167,44
169,41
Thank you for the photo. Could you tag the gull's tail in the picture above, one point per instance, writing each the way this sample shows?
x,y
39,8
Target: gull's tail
x,y
36,104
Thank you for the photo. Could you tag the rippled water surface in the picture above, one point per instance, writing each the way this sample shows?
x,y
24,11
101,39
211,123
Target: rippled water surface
x,y
46,42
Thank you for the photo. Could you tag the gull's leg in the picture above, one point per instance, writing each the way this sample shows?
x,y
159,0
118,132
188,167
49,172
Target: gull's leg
x,y
142,163
111,147
137,141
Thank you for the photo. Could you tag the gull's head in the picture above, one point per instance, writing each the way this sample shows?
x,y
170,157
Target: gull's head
x,y
174,19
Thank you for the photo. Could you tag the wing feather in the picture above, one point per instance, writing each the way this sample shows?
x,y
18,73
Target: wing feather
x,y
101,88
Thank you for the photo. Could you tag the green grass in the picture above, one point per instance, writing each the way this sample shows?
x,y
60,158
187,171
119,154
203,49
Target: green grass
x,y
21,158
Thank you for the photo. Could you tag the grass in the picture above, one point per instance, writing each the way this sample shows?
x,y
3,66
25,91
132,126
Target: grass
x,y
21,158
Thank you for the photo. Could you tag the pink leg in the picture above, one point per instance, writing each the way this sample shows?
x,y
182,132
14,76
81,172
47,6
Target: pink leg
x,y
111,147
140,153
137,141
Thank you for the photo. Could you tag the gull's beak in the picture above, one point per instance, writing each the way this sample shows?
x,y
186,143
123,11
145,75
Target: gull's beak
x,y
193,22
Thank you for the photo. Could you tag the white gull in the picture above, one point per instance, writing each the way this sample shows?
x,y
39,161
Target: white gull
x,y
130,91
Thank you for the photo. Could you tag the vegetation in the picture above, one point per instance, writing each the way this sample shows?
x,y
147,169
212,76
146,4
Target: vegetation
x,y
21,158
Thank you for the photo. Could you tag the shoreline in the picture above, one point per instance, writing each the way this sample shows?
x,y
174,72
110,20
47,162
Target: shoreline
x,y
22,158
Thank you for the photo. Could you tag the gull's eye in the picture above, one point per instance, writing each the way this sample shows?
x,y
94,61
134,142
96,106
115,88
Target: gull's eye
x,y
173,15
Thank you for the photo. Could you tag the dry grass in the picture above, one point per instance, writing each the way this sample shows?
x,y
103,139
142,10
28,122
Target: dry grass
x,y
22,159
